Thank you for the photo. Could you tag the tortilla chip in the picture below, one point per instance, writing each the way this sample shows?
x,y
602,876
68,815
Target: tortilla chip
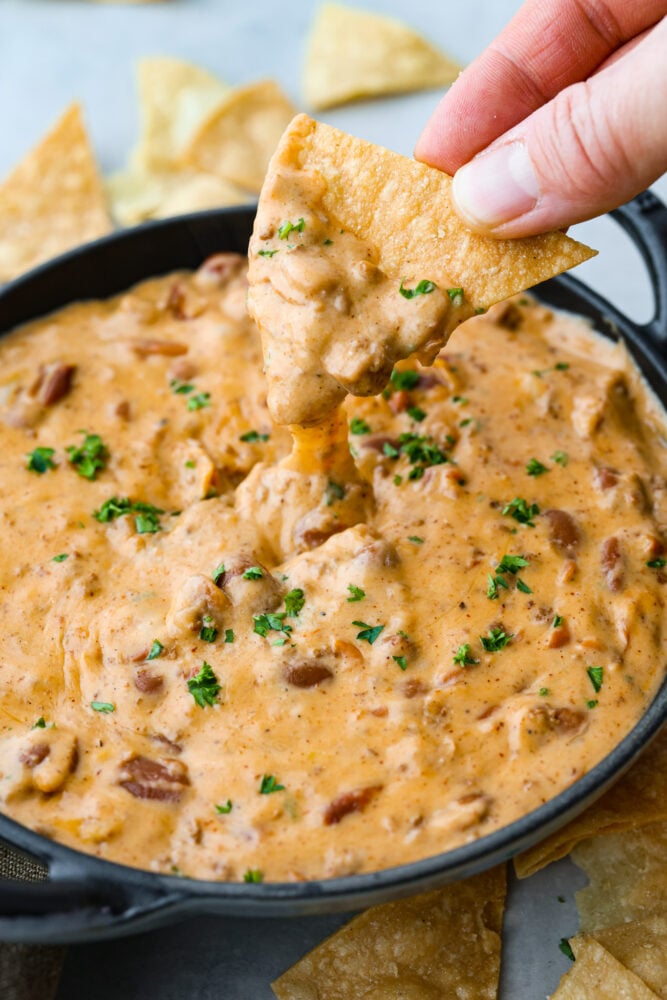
x,y
442,943
354,54
596,975
53,200
627,874
641,946
197,192
138,195
240,135
634,801
175,98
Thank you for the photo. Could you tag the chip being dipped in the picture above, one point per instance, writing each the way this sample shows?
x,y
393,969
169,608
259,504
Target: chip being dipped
x,y
358,259
439,944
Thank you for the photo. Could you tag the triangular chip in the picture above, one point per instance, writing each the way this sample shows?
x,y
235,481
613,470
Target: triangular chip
x,y
444,943
340,223
137,195
634,801
353,54
53,200
197,192
239,137
175,98
597,975
640,945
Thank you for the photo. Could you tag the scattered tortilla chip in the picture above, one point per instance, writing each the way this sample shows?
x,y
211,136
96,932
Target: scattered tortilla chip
x,y
597,975
627,874
444,943
641,946
197,192
175,98
239,136
53,200
637,799
138,195
383,218
353,54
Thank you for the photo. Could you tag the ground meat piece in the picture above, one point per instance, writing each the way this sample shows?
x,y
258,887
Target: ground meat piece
x,y
511,317
376,442
563,719
611,560
315,528
196,598
399,401
145,347
148,682
162,779
605,478
565,532
218,270
305,674
54,382
253,595
35,754
558,637
349,802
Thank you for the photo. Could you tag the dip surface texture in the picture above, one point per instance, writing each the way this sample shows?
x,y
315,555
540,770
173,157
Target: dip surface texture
x,y
230,655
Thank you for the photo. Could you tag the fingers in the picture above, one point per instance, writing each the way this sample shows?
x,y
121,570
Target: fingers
x,y
594,146
548,45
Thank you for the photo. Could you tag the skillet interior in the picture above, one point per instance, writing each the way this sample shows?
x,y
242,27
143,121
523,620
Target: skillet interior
x,y
85,897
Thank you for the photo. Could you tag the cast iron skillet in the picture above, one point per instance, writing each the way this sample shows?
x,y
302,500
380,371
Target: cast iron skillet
x,y
85,898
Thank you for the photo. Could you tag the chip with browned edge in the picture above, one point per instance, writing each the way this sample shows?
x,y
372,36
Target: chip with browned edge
x,y
641,946
354,54
358,259
53,199
444,943
634,801
597,975
236,141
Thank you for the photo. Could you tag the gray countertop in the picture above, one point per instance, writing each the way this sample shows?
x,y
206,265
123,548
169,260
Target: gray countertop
x,y
54,51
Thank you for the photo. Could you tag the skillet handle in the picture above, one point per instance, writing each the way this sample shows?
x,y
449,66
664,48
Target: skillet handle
x,y
59,911
645,220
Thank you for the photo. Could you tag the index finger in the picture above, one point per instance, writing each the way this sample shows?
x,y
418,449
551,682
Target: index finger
x,y
548,45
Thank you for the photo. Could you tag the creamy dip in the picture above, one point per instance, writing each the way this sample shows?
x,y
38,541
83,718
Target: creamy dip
x,y
228,657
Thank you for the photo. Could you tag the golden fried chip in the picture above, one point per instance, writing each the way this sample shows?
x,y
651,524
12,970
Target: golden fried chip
x,y
138,195
596,975
627,874
175,98
353,54
196,192
439,944
637,799
239,136
327,293
53,200
641,945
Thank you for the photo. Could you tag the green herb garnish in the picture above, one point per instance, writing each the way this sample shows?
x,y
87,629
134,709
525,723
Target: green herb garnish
x,y
294,602
591,703
564,946
208,631
253,573
146,520
416,413
544,692
596,675
271,621
356,593
41,723
251,436
181,388
270,784
199,401
90,457
657,563
253,875
496,640
557,622
218,574
423,288
223,810
416,539
560,458
334,491
204,686
359,426
40,460
267,253
522,511
535,468
512,564
401,662
61,557
291,227
408,379
462,657
102,706
229,635
456,295
369,633
523,586
155,650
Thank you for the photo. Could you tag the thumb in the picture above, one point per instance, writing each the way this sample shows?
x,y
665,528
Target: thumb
x,y
595,146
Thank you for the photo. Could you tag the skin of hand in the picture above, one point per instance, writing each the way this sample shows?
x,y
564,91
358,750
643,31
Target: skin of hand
x,y
563,117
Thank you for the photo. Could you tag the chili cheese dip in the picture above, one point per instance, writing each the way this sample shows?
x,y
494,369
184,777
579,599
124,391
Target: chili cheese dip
x,y
231,655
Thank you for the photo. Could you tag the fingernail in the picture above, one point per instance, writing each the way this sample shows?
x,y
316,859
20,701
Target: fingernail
x,y
496,187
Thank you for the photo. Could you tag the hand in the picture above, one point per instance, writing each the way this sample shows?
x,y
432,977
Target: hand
x,y
562,117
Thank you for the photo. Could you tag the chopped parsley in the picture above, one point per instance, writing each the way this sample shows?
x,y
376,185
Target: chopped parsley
x,y
359,426
560,458
512,564
462,657
333,492
199,401
389,450
61,557
423,288
146,516
460,400
267,253
398,480
416,413
40,460
560,366
523,586
496,640
408,379
253,875
401,662
522,511
596,675
544,692
90,457
422,452
464,423
208,631
591,703
327,242
369,633
218,574
270,784
155,650
181,388
223,810
103,706
456,296
564,946
204,686
271,621
229,635
252,436
41,723
356,593
291,227
253,573
190,464
535,468
557,622
494,583
657,563
416,539
294,602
